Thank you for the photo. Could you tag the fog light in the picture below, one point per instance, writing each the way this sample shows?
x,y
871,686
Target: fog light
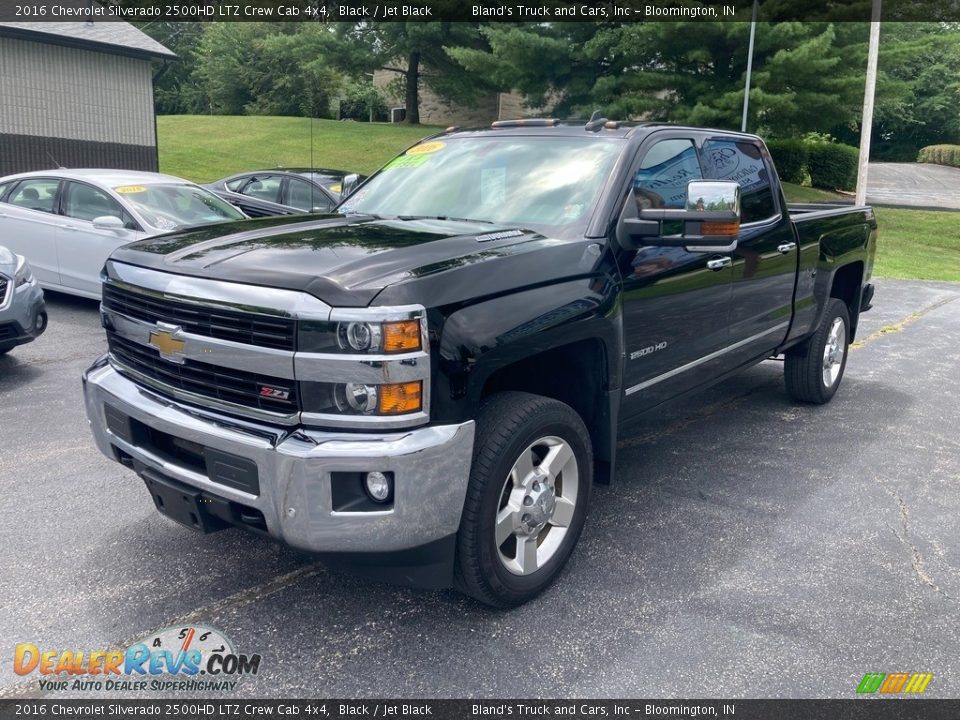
x,y
378,485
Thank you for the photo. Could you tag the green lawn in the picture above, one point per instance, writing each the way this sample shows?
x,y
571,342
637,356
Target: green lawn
x,y
918,244
913,244
803,194
208,147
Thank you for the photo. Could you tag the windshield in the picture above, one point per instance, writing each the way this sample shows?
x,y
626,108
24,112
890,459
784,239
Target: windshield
x,y
168,207
548,184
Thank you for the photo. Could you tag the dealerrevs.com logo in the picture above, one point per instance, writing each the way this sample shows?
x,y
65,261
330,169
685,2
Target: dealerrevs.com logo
x,y
175,659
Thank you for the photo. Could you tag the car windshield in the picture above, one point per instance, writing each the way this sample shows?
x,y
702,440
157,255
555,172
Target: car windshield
x,y
543,183
172,206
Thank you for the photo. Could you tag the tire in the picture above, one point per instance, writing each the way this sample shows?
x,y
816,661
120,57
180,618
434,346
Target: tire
x,y
808,376
533,469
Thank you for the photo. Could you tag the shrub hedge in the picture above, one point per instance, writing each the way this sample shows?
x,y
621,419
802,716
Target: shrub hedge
x,y
940,155
790,159
830,166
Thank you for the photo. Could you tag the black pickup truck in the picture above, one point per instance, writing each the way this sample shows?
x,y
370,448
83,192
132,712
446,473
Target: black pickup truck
x,y
428,383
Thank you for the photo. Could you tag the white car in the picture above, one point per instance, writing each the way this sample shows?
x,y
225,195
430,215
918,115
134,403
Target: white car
x,y
67,222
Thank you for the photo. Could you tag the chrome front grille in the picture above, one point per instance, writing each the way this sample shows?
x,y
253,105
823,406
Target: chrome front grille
x,y
203,380
221,323
4,287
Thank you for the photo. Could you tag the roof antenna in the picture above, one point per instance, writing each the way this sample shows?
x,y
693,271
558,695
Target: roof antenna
x,y
54,161
595,122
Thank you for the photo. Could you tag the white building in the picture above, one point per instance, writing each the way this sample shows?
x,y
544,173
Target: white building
x,y
77,94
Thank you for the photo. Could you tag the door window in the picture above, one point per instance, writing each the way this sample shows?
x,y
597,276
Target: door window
x,y
36,194
667,167
304,196
263,187
742,161
85,202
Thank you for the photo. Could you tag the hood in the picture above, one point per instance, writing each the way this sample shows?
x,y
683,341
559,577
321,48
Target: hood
x,y
344,261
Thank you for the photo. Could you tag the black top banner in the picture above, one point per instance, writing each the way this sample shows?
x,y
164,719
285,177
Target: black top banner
x,y
892,709
616,11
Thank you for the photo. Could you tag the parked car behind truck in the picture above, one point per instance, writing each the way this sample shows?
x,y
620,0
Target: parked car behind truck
x,y
23,313
67,222
428,384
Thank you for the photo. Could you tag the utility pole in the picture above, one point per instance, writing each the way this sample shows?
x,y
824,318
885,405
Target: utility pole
x,y
866,123
746,92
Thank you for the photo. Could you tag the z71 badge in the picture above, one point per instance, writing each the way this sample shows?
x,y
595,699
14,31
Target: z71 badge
x,y
272,392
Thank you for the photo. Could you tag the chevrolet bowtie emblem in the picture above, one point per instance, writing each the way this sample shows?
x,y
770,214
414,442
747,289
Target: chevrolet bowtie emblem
x,y
169,346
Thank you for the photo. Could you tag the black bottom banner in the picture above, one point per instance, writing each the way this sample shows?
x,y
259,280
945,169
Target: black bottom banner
x,y
867,709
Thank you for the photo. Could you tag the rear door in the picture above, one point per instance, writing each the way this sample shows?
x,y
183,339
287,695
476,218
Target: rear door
x,y
765,261
82,248
29,223
675,302
306,196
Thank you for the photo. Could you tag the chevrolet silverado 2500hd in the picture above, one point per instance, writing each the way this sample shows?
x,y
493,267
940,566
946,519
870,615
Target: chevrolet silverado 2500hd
x,y
428,383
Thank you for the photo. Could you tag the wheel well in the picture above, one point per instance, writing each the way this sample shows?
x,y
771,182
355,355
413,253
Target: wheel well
x,y
574,374
847,284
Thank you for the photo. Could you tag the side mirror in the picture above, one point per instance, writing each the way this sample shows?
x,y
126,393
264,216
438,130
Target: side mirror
x,y
711,219
108,222
348,184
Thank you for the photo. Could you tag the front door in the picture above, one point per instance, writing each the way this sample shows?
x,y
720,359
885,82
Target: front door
x,y
82,248
675,302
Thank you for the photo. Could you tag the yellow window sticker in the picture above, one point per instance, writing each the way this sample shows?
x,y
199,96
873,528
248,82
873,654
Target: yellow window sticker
x,y
127,189
336,188
426,148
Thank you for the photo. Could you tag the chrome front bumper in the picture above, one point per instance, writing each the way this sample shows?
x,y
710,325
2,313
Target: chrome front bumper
x,y
431,467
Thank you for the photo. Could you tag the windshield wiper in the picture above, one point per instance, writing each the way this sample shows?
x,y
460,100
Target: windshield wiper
x,y
445,217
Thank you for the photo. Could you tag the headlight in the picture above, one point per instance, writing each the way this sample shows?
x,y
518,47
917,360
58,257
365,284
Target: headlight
x,y
24,275
360,337
360,399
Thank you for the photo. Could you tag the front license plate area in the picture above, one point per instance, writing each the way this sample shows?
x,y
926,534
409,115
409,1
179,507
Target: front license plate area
x,y
181,503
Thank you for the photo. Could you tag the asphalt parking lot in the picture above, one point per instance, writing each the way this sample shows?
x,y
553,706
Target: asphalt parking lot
x,y
748,548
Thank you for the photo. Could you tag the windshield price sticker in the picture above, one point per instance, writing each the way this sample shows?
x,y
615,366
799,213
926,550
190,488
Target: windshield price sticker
x,y
426,148
130,189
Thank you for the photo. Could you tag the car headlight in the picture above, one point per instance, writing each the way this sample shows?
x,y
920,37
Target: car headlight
x,y
358,336
386,400
24,275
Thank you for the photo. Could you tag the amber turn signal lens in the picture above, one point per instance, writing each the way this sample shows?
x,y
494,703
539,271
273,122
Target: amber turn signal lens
x,y
401,398
401,336
723,229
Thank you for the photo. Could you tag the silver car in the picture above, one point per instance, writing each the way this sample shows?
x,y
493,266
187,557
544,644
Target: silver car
x,y
67,222
23,316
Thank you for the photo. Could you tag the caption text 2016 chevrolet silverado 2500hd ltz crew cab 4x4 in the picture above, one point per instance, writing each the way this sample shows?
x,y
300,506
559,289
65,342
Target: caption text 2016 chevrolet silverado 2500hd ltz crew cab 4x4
x,y
428,383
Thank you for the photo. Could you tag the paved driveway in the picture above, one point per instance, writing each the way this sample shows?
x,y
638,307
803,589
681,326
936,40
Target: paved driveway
x,y
914,185
749,547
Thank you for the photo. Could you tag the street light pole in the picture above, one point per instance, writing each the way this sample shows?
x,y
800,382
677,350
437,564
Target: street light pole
x,y
746,91
866,123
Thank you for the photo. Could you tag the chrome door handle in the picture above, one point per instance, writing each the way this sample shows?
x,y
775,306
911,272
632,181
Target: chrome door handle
x,y
719,263
72,228
786,247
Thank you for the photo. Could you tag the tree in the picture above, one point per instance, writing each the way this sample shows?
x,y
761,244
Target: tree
x,y
266,69
416,52
678,71
918,90
173,89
